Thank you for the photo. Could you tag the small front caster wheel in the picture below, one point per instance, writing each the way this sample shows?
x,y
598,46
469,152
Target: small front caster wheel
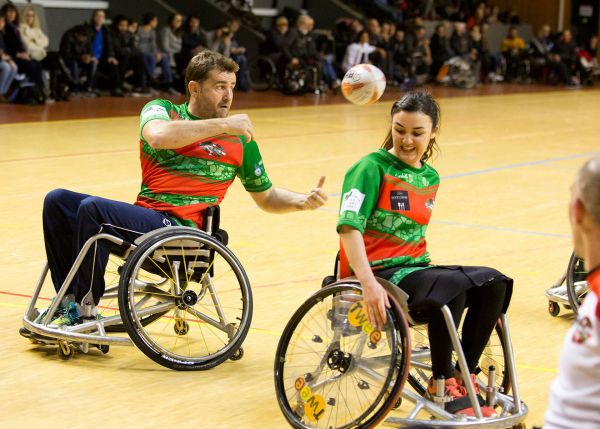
x,y
239,353
65,351
553,308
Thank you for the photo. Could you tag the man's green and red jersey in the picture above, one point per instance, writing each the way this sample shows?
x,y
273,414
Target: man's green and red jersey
x,y
183,182
390,203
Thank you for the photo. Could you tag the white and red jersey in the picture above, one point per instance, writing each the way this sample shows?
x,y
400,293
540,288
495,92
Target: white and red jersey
x,y
575,393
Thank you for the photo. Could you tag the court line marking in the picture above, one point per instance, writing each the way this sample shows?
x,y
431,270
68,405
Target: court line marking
x,y
270,332
520,165
459,97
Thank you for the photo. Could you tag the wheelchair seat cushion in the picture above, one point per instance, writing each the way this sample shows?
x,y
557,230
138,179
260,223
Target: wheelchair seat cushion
x,y
438,285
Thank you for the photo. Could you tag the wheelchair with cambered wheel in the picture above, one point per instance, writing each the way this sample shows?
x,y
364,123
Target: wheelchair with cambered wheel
x,y
333,370
179,293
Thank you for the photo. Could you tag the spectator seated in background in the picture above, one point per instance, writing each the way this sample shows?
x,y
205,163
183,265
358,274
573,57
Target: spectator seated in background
x,y
588,61
193,40
146,39
8,68
420,55
76,53
16,50
461,44
131,60
103,56
440,49
358,52
563,59
379,57
540,49
513,49
278,45
491,64
305,64
34,39
238,54
170,41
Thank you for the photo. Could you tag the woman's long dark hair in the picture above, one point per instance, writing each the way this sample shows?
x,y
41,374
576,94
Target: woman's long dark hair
x,y
417,101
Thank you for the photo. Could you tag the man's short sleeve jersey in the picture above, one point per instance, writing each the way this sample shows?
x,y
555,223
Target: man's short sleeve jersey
x,y
390,203
183,182
575,392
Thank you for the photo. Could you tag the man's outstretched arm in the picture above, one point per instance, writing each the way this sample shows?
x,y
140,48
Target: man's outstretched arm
x,y
277,200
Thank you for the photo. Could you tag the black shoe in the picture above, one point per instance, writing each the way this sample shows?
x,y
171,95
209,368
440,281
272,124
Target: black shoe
x,y
118,92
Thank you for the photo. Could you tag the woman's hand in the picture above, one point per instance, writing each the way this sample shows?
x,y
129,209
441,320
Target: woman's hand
x,y
376,301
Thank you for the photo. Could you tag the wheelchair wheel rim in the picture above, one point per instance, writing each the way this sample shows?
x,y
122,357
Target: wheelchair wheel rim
x,y
185,336
312,391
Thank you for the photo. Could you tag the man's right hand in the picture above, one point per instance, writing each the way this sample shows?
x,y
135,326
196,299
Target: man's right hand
x,y
240,124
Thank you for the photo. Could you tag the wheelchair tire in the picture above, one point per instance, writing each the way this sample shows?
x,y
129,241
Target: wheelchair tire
x,y
262,73
214,299
418,377
321,347
575,274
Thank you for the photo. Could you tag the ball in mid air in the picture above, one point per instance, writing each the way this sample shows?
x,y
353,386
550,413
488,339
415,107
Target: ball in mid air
x,y
363,84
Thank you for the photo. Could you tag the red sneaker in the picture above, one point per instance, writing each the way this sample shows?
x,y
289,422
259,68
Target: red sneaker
x,y
460,403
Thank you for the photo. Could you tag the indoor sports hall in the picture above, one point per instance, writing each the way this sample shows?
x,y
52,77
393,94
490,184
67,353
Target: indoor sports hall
x,y
508,156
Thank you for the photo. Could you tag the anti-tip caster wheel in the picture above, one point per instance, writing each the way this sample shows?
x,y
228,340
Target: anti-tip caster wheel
x,y
553,308
239,353
104,348
65,351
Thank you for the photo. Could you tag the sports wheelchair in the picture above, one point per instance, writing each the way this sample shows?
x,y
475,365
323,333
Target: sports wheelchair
x,y
179,293
571,288
333,370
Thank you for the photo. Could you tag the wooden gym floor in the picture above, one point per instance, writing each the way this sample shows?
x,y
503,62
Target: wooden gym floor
x,y
507,161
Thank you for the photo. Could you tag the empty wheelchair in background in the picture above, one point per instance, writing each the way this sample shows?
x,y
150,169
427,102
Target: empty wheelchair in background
x,y
571,288
333,370
180,295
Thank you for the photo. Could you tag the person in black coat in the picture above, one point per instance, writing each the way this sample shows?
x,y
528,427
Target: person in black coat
x,y
76,53
193,41
15,48
130,59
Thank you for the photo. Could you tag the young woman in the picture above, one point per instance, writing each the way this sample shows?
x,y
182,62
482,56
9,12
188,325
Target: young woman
x,y
34,39
386,205
170,37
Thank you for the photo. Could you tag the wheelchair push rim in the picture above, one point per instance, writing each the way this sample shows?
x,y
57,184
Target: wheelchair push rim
x,y
204,307
332,370
577,286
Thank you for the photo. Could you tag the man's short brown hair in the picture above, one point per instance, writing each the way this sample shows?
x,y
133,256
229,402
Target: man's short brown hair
x,y
201,65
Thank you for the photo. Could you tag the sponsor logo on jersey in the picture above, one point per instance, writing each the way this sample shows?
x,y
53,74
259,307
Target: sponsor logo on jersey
x,y
154,111
213,149
352,201
399,200
583,330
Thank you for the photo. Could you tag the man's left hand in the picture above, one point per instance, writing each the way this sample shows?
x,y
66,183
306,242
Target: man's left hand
x,y
316,198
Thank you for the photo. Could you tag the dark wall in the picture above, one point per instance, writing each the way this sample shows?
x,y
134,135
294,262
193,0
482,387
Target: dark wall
x,y
327,12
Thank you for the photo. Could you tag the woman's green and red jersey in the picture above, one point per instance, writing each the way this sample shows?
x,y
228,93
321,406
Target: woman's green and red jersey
x,y
183,182
390,203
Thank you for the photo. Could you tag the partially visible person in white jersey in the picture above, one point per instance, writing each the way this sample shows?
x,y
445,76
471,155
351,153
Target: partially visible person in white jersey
x,y
575,393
